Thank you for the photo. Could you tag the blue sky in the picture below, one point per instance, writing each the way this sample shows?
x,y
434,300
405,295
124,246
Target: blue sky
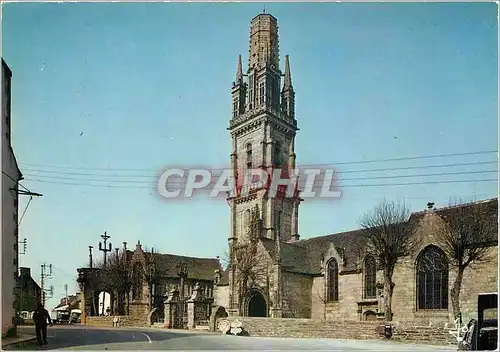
x,y
148,85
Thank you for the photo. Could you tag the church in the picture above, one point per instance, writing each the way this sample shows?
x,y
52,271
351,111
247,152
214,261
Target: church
x,y
272,272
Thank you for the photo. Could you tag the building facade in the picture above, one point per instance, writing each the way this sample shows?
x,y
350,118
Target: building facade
x,y
139,282
263,129
29,291
11,175
273,273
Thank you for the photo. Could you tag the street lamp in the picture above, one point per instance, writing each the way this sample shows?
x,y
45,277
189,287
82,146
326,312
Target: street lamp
x,y
182,272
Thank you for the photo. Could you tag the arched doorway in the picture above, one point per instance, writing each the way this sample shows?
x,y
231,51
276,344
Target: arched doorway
x,y
257,306
370,316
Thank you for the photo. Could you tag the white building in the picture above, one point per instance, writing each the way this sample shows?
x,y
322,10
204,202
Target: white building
x,y
11,175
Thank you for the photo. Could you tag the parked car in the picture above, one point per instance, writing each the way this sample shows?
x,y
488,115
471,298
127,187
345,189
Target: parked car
x,y
75,316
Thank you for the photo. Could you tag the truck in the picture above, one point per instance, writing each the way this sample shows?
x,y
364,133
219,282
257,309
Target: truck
x,y
482,333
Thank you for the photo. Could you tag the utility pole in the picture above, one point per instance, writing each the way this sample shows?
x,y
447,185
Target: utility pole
x,y
46,274
24,242
104,248
90,256
66,289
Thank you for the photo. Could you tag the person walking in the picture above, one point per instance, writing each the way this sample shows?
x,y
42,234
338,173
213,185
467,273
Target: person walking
x,y
41,317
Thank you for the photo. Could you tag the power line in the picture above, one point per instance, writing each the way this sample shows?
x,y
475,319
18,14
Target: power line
x,y
16,181
359,185
24,212
339,179
339,172
333,163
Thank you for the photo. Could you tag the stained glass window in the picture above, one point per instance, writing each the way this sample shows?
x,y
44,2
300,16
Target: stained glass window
x,y
432,279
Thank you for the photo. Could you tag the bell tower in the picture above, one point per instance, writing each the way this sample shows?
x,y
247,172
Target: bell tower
x,y
263,129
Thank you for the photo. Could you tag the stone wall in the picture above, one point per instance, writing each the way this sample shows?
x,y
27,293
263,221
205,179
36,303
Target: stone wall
x,y
356,330
124,320
296,295
478,278
221,295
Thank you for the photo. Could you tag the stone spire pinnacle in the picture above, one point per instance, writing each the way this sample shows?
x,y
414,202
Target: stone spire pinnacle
x,y
291,154
239,71
288,75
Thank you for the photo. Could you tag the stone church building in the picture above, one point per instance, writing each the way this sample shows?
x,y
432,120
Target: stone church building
x,y
329,277
271,271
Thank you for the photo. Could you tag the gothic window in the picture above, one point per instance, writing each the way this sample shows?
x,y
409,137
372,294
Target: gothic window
x,y
262,91
250,92
432,279
247,221
277,154
235,108
284,104
370,277
332,281
137,281
249,155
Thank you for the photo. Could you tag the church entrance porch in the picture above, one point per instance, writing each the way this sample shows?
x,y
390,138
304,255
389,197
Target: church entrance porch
x,y
257,305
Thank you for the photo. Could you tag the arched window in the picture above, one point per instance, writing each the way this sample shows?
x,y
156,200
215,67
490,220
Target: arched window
x,y
277,154
247,226
432,279
249,155
332,280
370,277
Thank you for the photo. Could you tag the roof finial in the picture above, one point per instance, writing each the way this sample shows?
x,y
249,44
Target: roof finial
x,y
239,71
288,75
264,11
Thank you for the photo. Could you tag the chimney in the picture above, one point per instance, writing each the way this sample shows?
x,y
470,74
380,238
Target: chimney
x,y
25,272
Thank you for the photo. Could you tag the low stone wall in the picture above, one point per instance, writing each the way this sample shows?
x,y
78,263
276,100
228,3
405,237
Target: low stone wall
x,y
124,320
431,334
352,330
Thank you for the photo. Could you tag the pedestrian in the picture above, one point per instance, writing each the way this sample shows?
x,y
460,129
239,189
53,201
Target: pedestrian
x,y
115,321
41,317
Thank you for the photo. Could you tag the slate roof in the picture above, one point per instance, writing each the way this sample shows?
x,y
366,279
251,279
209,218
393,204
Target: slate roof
x,y
489,206
305,256
347,243
197,268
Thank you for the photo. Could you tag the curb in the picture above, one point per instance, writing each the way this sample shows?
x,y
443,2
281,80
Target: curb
x,y
19,340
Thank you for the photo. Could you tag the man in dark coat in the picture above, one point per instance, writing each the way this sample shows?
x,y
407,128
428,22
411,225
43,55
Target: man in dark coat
x,y
41,317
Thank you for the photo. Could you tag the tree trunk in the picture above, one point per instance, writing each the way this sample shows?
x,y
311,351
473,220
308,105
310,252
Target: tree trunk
x,y
455,293
388,291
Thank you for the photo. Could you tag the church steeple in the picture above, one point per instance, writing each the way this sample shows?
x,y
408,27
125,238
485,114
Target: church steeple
x,y
239,91
264,75
288,94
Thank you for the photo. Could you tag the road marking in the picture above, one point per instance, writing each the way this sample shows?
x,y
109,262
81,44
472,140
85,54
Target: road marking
x,y
149,338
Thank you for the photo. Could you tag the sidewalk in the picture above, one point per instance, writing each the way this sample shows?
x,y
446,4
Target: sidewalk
x,y
15,340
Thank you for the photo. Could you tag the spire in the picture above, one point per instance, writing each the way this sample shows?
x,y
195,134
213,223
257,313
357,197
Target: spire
x,y
239,71
288,76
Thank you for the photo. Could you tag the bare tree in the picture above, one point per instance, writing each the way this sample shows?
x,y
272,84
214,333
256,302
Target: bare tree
x,y
388,236
322,297
116,278
467,232
250,267
290,301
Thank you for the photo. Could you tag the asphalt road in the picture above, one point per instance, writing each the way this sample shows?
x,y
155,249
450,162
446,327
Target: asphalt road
x,y
84,338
